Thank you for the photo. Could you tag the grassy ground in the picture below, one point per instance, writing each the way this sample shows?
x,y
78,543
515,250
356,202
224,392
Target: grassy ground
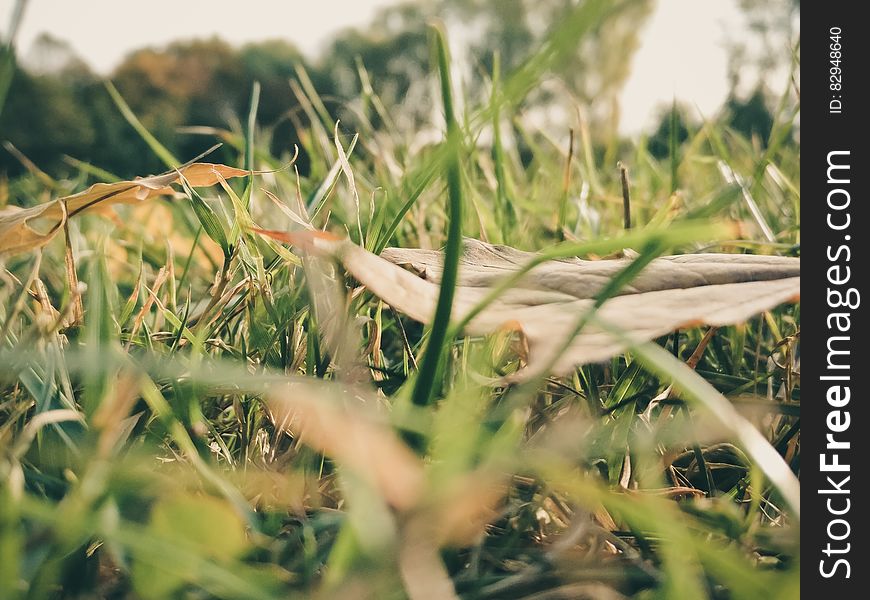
x,y
140,458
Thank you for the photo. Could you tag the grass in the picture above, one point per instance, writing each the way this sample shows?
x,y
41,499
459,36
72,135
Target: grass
x,y
144,449
424,386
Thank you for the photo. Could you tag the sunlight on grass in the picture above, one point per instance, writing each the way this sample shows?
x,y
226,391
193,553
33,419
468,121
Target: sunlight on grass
x,y
231,417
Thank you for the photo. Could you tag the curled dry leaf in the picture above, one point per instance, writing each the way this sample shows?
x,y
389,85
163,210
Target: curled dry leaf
x,y
350,437
23,229
546,304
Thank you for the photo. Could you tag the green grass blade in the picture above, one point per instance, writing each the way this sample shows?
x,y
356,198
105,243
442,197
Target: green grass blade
x,y
717,407
674,147
425,385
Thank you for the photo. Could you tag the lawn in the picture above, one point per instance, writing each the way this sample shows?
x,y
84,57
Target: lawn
x,y
201,397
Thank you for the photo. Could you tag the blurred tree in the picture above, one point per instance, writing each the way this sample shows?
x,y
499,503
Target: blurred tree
x,y
595,69
44,116
51,55
773,25
273,63
208,82
756,59
395,53
751,116
189,83
659,143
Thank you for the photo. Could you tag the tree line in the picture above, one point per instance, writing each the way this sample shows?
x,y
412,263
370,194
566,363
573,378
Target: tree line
x,y
56,107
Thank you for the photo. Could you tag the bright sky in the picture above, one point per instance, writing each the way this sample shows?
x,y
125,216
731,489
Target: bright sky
x,y
682,52
682,55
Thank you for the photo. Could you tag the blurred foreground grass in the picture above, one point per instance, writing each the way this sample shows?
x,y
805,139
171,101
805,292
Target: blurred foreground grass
x,y
189,410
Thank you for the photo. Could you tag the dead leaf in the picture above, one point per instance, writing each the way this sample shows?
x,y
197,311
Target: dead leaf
x,y
352,438
23,229
420,565
546,304
465,506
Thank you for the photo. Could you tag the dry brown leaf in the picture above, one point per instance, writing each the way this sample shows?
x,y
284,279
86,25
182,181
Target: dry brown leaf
x,y
350,437
545,305
23,229
465,506
420,564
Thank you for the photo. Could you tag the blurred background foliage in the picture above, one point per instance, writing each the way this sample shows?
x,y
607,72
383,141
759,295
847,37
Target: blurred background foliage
x,y
57,107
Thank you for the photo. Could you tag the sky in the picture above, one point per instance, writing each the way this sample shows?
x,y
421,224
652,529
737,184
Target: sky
x,y
682,52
